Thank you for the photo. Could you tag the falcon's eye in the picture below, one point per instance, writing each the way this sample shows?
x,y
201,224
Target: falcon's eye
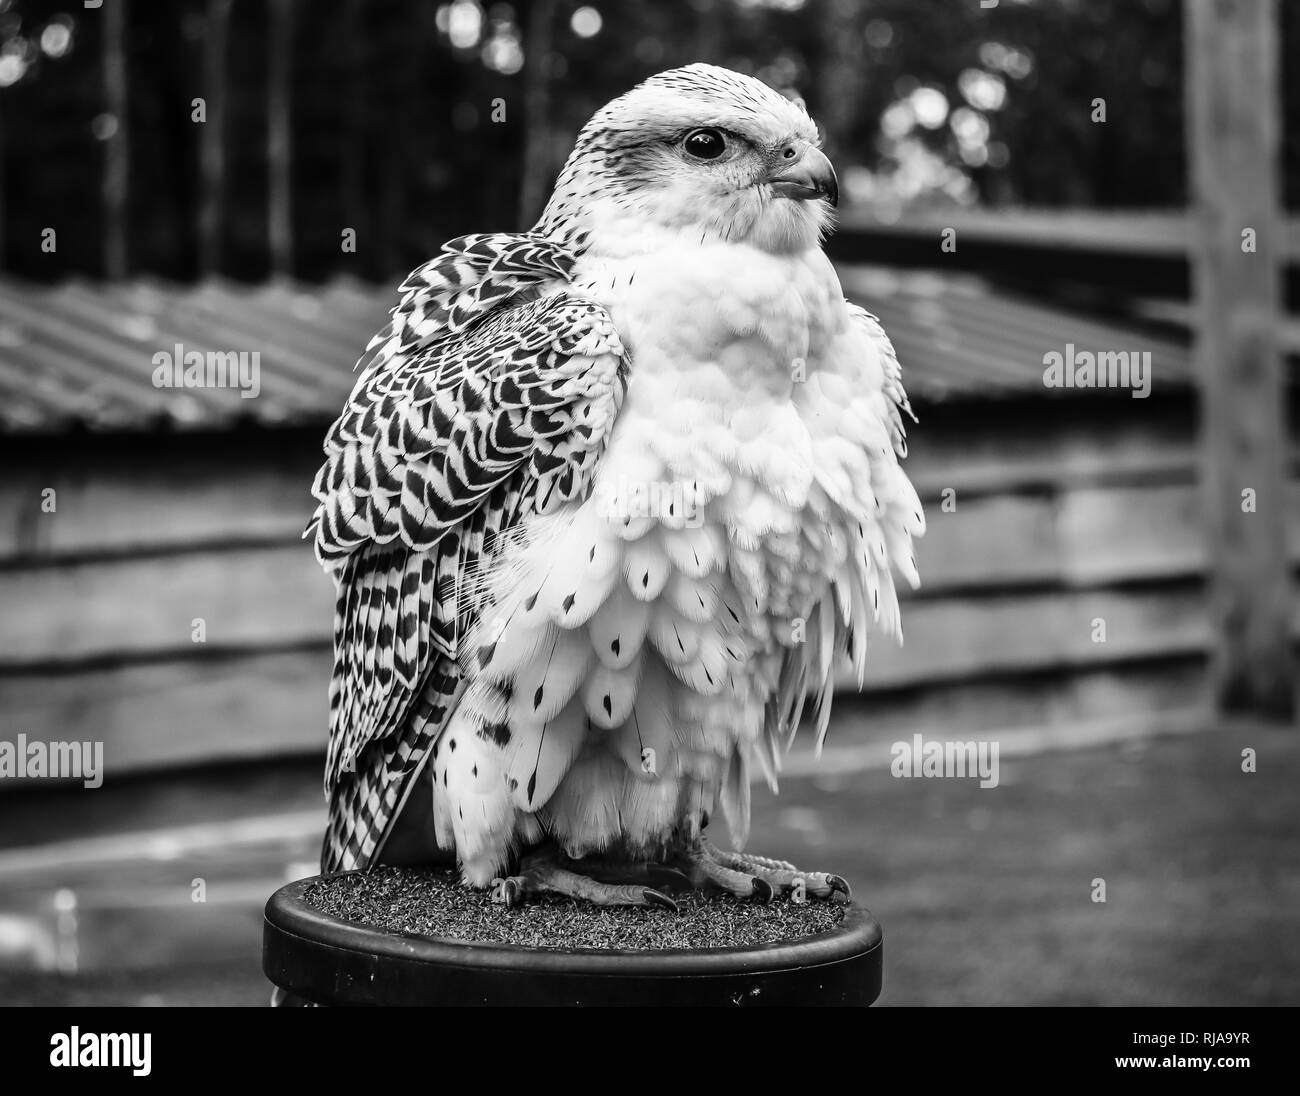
x,y
704,144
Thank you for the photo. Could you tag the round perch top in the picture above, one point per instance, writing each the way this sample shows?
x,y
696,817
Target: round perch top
x,y
405,937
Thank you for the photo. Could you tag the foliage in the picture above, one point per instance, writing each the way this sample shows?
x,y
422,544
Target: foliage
x,y
392,106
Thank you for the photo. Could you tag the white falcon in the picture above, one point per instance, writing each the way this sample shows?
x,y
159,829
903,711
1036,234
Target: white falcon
x,y
610,498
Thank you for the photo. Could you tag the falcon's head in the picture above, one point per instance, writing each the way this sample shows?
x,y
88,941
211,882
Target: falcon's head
x,y
697,150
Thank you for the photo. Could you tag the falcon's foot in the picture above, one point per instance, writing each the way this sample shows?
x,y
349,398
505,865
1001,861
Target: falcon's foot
x,y
545,871
749,876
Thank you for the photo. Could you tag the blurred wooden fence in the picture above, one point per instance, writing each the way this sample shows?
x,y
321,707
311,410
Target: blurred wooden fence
x,y
1048,511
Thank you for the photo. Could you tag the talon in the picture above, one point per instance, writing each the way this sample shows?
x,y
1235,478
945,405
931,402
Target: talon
x,y
779,875
654,898
511,892
762,891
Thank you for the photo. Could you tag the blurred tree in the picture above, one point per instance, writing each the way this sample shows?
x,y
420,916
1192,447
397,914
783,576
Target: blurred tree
x,y
842,73
214,34
115,136
537,31
279,148
392,132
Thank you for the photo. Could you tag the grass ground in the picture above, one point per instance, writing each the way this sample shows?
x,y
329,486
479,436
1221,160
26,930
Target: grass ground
x,y
986,896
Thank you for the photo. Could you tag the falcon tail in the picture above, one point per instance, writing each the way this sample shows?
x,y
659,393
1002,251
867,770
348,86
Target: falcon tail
x,y
365,803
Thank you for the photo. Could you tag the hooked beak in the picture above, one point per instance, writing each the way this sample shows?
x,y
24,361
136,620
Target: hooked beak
x,y
807,175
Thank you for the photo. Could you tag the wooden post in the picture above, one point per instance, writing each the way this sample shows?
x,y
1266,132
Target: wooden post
x,y
212,147
116,147
1234,110
279,153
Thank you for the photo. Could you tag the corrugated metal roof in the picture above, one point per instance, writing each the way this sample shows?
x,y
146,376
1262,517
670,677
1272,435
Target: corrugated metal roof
x,y
956,336
83,354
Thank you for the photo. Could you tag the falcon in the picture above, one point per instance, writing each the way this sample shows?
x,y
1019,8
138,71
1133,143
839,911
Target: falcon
x,y
610,499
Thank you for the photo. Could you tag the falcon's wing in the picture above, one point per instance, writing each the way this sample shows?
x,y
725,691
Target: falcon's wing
x,y
483,403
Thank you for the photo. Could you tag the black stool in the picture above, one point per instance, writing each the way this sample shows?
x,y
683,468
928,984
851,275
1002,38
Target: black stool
x,y
322,960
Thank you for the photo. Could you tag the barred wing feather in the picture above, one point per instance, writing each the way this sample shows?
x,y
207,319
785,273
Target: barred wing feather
x,y
484,402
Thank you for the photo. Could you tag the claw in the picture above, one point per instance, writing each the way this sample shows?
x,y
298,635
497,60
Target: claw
x,y
840,885
511,892
762,891
654,898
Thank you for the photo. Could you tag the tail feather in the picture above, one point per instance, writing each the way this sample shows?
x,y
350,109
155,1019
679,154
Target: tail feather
x,y
365,803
